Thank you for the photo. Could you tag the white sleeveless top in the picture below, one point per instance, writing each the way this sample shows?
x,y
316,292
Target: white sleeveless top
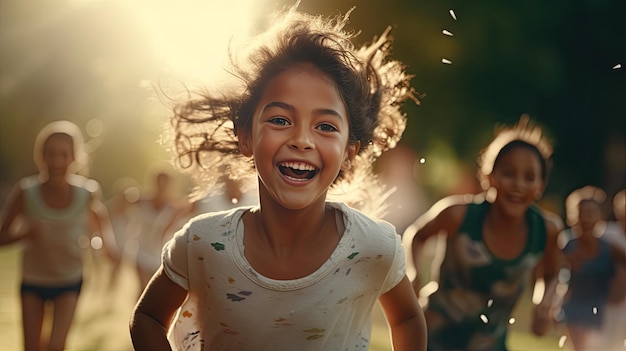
x,y
55,257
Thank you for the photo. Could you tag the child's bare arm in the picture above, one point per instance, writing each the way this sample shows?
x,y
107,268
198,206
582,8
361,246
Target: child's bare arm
x,y
102,221
13,208
405,317
154,312
443,217
548,271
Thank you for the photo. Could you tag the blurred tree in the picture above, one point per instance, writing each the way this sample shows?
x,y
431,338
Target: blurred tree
x,y
551,59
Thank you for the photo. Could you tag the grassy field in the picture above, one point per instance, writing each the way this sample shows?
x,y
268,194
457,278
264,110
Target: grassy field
x,y
101,322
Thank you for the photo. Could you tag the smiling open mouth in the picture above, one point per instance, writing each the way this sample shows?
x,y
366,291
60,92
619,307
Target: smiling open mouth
x,y
297,170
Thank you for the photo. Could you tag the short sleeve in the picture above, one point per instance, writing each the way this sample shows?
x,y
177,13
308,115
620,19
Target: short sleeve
x,y
397,271
174,256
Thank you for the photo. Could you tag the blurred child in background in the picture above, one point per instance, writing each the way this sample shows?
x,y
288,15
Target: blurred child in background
x,y
494,242
49,213
593,260
150,215
120,206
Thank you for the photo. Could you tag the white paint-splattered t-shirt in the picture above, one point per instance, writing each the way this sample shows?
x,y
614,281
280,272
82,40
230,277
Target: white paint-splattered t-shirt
x,y
232,307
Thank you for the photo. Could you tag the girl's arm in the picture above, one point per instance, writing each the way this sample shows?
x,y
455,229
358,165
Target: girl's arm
x,y
154,312
444,217
617,290
548,269
100,217
404,317
13,208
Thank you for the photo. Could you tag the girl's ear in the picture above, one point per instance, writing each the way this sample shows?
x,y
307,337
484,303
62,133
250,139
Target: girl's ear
x,y
243,139
351,151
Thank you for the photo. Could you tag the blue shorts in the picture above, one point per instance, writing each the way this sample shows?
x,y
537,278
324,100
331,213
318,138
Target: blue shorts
x,y
51,292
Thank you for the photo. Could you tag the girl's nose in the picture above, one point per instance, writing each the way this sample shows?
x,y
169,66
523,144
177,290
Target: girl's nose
x,y
520,183
301,139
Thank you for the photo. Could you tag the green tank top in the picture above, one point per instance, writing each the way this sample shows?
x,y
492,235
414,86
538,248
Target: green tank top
x,y
478,291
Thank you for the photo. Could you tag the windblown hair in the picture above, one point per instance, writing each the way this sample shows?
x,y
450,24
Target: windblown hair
x,y
372,88
523,134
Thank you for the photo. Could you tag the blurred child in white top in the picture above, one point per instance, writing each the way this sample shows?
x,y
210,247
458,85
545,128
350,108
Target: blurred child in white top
x,y
50,213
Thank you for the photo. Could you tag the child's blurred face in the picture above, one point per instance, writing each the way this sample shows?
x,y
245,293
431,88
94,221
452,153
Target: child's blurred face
x,y
299,137
58,154
517,178
589,214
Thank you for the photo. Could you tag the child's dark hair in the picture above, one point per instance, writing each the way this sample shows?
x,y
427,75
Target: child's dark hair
x,y
523,134
371,86
588,193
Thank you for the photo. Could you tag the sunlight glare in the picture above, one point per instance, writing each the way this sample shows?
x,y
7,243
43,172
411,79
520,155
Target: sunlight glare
x,y
94,128
191,37
538,292
447,32
96,243
446,61
562,340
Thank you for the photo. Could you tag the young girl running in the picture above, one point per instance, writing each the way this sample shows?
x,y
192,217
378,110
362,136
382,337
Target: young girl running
x,y
49,213
296,272
494,241
592,263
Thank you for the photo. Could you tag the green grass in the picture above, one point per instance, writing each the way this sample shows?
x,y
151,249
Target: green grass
x,y
101,322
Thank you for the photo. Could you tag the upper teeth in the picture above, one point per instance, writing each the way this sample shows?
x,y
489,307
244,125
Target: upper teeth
x,y
298,165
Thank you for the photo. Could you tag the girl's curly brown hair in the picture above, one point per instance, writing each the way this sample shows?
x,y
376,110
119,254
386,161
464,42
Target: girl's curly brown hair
x,y
371,85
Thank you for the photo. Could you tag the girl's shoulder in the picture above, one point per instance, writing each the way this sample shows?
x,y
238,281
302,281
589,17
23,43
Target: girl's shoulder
x,y
354,216
457,207
88,186
552,221
465,209
219,219
28,182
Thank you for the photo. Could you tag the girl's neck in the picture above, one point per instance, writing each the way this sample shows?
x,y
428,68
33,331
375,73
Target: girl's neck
x,y
283,228
56,192
54,181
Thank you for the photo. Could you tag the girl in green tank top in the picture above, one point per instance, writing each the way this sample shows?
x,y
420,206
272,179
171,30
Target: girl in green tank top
x,y
494,243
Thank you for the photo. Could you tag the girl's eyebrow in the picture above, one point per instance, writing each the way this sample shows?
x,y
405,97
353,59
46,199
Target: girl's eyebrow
x,y
320,111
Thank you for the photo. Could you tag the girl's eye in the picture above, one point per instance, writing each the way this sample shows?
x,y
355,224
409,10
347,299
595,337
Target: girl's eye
x,y
281,121
327,127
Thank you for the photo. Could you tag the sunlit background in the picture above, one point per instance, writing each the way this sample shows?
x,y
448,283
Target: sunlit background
x,y
476,64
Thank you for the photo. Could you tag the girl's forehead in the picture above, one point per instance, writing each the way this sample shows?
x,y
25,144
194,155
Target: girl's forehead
x,y
303,69
58,139
304,80
520,157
